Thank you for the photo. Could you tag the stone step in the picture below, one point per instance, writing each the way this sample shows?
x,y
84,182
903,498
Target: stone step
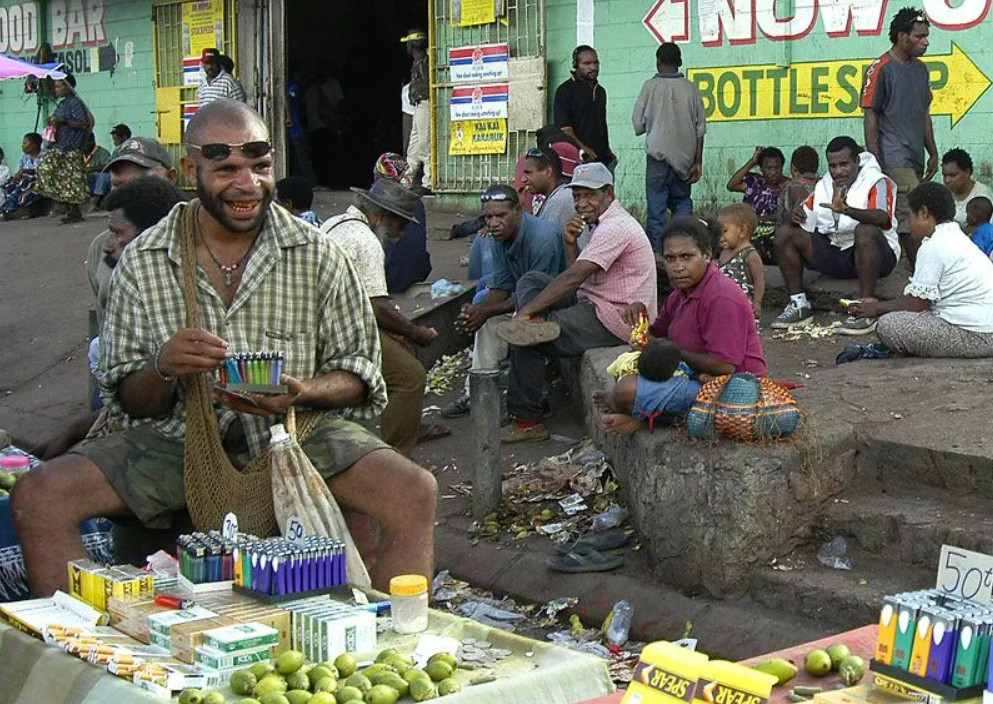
x,y
960,466
910,526
843,598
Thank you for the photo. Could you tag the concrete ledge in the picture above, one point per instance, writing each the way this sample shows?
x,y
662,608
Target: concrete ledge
x,y
708,512
824,292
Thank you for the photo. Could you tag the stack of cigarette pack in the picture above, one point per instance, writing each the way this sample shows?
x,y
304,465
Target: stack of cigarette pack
x,y
324,629
94,583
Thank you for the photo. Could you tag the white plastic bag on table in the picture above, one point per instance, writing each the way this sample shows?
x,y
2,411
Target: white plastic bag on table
x,y
298,490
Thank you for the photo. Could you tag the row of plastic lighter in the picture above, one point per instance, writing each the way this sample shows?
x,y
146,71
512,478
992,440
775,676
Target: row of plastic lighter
x,y
938,636
669,674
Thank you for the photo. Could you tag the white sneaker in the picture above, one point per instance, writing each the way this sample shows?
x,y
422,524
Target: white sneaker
x,y
793,316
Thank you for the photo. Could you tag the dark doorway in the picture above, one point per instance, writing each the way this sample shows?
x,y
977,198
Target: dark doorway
x,y
348,62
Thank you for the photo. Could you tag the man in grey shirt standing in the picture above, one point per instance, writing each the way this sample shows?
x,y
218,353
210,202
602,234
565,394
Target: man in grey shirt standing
x,y
670,111
896,97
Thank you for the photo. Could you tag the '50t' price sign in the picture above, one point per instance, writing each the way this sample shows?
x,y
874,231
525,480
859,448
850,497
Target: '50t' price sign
x,y
966,574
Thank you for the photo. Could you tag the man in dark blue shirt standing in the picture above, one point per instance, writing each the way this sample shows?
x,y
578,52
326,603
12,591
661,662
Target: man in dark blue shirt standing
x,y
519,243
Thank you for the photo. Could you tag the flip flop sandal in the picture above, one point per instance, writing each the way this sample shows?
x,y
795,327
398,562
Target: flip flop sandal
x,y
600,542
433,432
591,561
522,333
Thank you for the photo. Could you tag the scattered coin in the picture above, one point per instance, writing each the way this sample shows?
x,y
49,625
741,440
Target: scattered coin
x,y
483,644
468,641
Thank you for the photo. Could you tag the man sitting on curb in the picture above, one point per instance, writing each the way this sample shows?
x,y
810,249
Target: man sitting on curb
x,y
520,243
263,277
844,230
363,232
582,307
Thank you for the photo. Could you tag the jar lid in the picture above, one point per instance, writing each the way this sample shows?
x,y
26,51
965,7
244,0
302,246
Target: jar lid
x,y
408,585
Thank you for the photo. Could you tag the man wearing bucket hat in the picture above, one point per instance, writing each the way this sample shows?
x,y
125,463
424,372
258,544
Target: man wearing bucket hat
x,y
220,84
363,233
582,307
419,147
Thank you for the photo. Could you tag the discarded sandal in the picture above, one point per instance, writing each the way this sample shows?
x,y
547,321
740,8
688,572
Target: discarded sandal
x,y
599,542
592,561
528,333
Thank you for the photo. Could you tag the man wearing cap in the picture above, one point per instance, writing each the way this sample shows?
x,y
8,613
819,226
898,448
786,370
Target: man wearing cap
x,y
219,84
264,278
363,233
134,157
582,307
669,112
419,147
518,243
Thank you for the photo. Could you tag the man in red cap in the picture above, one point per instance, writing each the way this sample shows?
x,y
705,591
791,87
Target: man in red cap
x,y
220,83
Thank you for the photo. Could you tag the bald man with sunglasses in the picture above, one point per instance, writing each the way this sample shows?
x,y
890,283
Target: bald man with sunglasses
x,y
264,280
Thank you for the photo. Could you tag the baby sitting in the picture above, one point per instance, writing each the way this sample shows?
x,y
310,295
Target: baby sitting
x,y
644,396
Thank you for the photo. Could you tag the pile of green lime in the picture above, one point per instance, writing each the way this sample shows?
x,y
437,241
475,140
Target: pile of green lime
x,y
7,481
290,680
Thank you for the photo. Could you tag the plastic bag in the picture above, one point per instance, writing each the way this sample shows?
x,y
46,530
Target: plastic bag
x,y
299,491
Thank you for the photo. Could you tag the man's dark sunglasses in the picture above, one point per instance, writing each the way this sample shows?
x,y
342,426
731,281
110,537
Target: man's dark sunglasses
x,y
497,197
220,151
536,153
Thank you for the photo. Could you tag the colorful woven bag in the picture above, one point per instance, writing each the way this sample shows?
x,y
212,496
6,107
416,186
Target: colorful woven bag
x,y
743,407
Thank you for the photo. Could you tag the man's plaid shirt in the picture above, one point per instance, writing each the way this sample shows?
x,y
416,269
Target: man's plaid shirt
x,y
299,294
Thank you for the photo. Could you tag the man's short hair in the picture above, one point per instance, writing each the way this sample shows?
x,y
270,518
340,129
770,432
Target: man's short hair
x,y
668,54
33,137
742,214
579,51
297,190
843,142
903,22
659,360
958,156
122,131
144,200
500,192
805,159
981,208
936,197
771,153
224,110
545,157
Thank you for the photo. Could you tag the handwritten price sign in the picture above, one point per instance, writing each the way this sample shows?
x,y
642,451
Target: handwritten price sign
x,y
966,574
295,532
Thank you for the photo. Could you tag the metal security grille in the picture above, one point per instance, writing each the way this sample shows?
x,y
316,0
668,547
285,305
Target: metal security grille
x,y
523,28
167,19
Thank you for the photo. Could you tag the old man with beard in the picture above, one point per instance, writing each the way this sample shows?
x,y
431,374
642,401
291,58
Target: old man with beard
x,y
261,279
363,232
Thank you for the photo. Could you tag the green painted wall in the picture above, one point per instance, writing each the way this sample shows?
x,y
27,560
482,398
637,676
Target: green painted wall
x,y
814,61
109,44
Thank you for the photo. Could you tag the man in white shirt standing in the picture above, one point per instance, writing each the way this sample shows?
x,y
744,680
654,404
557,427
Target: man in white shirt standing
x,y
219,84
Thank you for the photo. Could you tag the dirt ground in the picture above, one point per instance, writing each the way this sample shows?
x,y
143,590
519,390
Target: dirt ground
x,y
44,299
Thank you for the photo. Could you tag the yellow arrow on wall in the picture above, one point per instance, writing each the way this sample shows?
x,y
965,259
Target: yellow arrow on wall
x,y
819,89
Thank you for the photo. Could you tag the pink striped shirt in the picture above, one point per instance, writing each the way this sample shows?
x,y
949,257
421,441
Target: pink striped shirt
x,y
620,247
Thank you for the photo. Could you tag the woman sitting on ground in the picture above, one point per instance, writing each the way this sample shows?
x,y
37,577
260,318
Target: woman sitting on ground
x,y
707,316
762,193
956,168
947,308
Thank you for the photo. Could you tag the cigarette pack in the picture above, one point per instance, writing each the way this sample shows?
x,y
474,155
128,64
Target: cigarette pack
x,y
166,679
163,622
243,636
337,629
187,637
216,660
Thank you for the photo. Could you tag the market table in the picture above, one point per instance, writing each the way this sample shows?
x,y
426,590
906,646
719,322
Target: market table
x,y
861,641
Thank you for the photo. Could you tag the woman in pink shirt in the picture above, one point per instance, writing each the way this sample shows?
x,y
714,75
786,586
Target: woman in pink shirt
x,y
707,316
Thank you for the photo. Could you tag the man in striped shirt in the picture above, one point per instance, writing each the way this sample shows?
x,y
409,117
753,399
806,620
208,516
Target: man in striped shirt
x,y
219,84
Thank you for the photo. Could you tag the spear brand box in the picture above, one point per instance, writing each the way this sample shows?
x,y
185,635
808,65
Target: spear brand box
x,y
336,629
163,622
243,636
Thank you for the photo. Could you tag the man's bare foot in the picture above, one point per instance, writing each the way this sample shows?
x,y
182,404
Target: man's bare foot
x,y
621,424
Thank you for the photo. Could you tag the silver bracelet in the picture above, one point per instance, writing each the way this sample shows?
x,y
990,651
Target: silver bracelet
x,y
155,366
